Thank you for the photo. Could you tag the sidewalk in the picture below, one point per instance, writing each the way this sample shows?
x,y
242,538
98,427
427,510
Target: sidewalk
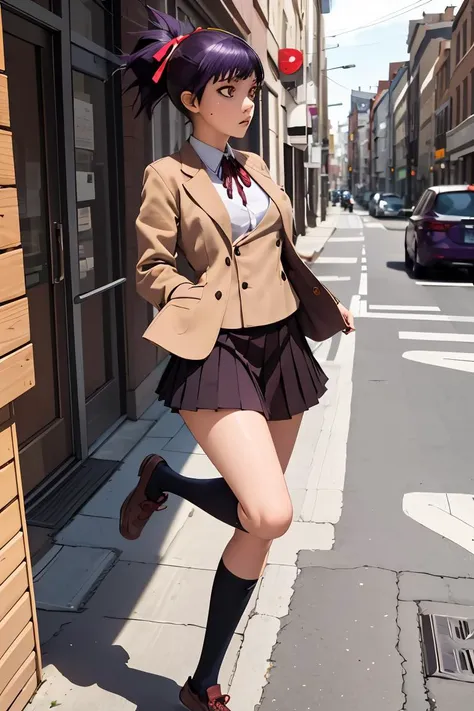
x,y
122,622
310,245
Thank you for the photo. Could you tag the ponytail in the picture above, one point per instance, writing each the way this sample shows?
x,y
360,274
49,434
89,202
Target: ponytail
x,y
150,57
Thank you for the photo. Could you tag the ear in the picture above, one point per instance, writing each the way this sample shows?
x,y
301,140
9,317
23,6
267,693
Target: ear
x,y
190,102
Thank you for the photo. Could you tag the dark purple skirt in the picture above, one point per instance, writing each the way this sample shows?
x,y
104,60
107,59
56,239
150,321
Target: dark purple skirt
x,y
268,368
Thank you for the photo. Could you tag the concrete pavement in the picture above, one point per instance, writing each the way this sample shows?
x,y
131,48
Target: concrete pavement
x,y
122,622
310,245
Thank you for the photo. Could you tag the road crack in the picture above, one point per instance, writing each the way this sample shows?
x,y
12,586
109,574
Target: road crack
x,y
398,645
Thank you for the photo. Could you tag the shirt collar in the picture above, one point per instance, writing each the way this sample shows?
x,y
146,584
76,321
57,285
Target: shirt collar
x,y
210,156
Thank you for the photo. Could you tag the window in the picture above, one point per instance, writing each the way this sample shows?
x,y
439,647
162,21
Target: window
x,y
464,99
472,89
464,37
458,48
460,204
93,20
458,105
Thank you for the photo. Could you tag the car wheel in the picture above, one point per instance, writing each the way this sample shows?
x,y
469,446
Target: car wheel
x,y
418,270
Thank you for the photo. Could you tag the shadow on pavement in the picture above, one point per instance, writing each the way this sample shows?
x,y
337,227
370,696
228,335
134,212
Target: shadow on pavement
x,y
397,266
89,657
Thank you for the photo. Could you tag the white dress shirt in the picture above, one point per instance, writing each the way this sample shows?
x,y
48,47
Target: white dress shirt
x,y
243,218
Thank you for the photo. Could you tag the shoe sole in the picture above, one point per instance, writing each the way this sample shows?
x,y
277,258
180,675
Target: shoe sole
x,y
124,532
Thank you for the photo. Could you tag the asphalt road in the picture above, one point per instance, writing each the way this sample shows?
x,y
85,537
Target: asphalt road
x,y
351,641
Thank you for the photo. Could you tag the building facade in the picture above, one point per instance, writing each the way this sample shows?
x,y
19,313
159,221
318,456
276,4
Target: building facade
x,y
460,137
442,117
424,38
398,118
359,141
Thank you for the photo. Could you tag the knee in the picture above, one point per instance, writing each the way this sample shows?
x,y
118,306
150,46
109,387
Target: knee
x,y
272,522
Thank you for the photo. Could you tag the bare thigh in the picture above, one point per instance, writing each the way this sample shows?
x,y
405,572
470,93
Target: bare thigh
x,y
240,445
284,434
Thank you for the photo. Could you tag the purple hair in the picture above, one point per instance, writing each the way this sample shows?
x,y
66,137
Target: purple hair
x,y
204,55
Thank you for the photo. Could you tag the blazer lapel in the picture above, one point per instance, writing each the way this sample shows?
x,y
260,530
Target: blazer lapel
x,y
200,188
273,191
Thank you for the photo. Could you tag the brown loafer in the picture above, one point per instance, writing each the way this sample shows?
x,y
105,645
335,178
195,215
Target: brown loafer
x,y
217,701
137,509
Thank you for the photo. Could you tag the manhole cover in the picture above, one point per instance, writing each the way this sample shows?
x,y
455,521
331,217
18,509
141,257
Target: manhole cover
x,y
448,647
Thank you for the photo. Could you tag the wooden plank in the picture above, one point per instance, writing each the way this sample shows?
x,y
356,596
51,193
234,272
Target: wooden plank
x,y
20,680
24,697
2,55
9,219
13,624
17,374
19,486
16,655
10,522
12,589
12,277
6,445
4,105
14,326
8,490
11,556
7,167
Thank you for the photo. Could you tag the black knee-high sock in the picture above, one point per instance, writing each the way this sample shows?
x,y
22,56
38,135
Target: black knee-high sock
x,y
229,598
214,496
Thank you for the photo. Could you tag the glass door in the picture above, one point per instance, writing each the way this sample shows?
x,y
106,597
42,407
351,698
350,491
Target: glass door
x,y
98,239
43,414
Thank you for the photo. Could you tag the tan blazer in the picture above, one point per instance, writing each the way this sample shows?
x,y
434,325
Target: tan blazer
x,y
181,211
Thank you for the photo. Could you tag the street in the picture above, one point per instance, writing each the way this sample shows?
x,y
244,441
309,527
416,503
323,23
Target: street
x,y
404,541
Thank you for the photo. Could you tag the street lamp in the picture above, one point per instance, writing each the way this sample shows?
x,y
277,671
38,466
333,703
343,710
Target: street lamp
x,y
343,66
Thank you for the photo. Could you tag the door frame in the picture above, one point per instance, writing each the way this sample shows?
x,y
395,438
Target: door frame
x,y
63,41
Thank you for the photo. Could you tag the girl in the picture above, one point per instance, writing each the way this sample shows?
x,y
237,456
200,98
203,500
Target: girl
x,y
241,373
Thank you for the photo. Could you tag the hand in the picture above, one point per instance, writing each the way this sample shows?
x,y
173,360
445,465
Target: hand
x,y
348,319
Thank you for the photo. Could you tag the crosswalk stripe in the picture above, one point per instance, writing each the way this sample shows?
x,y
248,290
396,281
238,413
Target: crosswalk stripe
x,y
333,278
441,337
443,283
337,260
379,307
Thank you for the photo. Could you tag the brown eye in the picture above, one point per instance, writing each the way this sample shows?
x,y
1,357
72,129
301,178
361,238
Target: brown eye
x,y
253,93
227,91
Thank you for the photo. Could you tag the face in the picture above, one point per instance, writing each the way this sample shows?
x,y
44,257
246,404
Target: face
x,y
227,106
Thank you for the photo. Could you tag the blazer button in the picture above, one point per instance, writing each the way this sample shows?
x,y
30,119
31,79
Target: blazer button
x,y
316,290
237,251
227,261
245,285
283,276
278,242
218,295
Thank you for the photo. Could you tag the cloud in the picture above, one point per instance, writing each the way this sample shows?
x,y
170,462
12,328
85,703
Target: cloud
x,y
347,14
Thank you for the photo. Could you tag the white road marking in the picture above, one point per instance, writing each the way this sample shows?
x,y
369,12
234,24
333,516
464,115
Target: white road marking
x,y
363,251
364,260
333,278
346,239
337,260
449,515
364,267
376,225
420,317
453,361
363,284
355,305
442,283
391,307
438,337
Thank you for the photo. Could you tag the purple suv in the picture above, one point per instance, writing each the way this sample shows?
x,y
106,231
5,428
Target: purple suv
x,y
440,231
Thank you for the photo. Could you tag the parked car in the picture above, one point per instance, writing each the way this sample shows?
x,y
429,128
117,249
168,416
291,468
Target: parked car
x,y
440,231
385,205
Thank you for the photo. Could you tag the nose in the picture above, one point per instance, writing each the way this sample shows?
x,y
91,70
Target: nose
x,y
247,106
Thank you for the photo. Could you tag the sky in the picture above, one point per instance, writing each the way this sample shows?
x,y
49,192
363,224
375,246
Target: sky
x,y
371,49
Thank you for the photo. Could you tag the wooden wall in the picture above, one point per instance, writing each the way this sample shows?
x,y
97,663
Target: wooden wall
x,y
20,658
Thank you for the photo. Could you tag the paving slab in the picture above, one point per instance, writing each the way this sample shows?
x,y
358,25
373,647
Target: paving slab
x,y
123,440
276,590
67,579
103,664
301,535
416,586
337,646
410,649
167,426
98,532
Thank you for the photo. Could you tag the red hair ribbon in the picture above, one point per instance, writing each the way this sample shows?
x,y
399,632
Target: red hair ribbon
x,y
168,49
232,171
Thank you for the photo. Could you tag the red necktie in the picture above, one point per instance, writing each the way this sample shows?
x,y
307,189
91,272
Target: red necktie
x,y
232,171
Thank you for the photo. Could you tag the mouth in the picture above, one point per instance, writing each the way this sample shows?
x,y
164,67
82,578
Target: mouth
x,y
246,122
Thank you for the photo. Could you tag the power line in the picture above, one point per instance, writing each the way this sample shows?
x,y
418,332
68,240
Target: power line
x,y
387,18
336,82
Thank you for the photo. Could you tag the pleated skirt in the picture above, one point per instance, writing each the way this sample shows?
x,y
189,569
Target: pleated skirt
x,y
269,369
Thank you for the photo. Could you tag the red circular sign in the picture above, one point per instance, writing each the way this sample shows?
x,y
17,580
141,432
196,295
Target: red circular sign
x,y
290,60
